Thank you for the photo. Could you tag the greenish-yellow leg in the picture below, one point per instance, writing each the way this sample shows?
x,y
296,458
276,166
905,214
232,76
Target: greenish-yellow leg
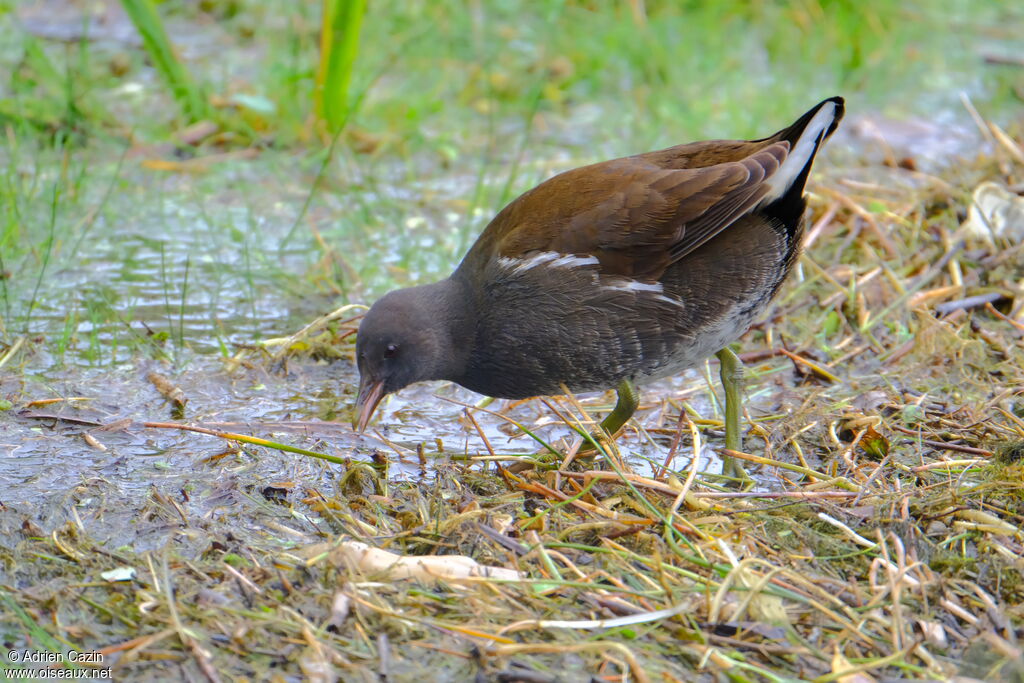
x,y
731,373
626,404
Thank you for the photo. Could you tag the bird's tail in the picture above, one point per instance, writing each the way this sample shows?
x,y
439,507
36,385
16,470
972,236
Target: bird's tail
x,y
805,138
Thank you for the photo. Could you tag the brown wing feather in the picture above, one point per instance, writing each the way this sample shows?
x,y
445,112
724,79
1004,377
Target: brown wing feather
x,y
633,214
733,205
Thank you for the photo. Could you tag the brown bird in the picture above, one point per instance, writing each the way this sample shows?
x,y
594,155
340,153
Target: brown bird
x,y
618,272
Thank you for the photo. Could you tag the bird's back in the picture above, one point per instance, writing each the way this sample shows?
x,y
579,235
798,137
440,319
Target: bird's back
x,y
638,267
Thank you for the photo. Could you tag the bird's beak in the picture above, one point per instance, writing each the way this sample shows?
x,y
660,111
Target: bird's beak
x,y
370,394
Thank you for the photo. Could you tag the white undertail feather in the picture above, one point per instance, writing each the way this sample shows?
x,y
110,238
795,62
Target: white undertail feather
x,y
801,153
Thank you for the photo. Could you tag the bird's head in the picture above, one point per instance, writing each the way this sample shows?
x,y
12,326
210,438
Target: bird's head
x,y
403,339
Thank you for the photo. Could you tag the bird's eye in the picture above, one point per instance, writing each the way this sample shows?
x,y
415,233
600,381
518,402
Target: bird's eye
x,y
390,351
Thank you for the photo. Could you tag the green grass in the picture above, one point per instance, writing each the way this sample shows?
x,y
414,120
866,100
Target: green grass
x,y
446,112
339,47
147,22
439,76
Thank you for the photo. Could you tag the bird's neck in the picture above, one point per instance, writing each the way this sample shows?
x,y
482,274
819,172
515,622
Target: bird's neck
x,y
449,308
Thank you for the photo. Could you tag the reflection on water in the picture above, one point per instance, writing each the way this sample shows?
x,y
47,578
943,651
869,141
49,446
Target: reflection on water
x,y
49,460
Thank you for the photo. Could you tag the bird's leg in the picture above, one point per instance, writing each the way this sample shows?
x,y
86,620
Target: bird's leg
x,y
731,372
626,403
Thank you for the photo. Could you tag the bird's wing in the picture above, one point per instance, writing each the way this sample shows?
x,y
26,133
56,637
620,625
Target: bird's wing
x,y
634,216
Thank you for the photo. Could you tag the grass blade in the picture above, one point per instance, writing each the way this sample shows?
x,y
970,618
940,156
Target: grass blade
x,y
339,45
151,28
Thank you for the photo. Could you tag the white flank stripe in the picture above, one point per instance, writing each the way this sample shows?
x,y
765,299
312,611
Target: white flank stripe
x,y
550,258
669,300
571,261
801,153
642,286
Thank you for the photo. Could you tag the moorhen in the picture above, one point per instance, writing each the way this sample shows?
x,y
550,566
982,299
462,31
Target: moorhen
x,y
618,272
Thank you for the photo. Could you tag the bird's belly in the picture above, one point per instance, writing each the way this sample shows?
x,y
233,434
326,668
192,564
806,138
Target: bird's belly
x,y
691,350
543,365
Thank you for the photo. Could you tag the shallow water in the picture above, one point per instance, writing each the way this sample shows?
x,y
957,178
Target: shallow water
x,y
94,437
